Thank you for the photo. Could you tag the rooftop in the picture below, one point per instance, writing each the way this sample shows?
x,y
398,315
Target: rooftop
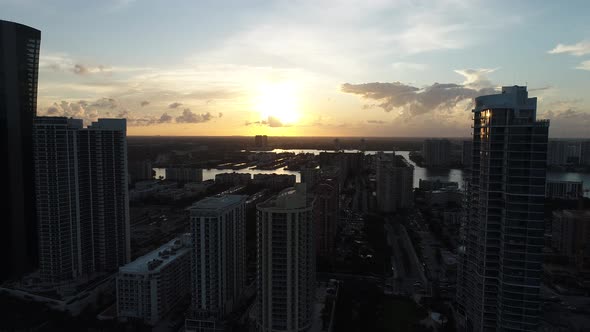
x,y
218,202
159,258
290,198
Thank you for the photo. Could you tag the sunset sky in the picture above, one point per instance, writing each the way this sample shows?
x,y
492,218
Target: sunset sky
x,y
307,67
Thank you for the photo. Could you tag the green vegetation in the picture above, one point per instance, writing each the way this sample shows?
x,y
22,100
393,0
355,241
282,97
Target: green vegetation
x,y
362,307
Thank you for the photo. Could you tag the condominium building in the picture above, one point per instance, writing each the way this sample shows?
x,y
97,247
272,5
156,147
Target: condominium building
x,y
150,286
326,214
310,176
82,199
557,153
585,153
286,261
564,189
467,150
395,182
218,256
571,233
436,152
184,174
502,254
19,68
260,141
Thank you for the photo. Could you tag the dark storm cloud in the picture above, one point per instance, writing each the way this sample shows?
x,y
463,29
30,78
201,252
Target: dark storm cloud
x,y
144,103
174,105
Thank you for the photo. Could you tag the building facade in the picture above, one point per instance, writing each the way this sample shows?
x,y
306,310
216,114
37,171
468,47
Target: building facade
x,y
557,153
286,261
436,152
467,150
150,286
82,199
502,252
395,182
218,255
325,215
184,174
19,68
571,233
564,189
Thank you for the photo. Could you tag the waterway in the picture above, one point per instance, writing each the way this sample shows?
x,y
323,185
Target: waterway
x,y
455,175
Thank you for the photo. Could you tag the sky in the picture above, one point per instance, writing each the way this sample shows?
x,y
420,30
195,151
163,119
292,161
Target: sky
x,y
307,67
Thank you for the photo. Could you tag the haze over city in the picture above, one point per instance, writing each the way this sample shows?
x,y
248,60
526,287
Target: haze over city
x,y
307,68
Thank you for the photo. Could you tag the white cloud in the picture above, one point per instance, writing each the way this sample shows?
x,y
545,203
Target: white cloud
x,y
585,65
578,49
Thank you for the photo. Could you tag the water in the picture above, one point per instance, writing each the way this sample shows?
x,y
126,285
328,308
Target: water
x,y
209,174
455,175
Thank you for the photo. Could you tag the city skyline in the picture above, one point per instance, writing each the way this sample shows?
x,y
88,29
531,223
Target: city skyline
x,y
306,69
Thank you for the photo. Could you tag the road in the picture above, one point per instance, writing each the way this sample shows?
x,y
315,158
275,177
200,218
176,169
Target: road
x,y
408,278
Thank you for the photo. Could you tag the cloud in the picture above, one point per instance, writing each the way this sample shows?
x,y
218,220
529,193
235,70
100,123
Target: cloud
x,y
376,121
271,121
413,101
570,122
585,65
105,103
220,115
174,105
476,78
144,103
189,117
165,118
578,49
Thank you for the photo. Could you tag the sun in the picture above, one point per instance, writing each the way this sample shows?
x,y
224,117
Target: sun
x,y
278,101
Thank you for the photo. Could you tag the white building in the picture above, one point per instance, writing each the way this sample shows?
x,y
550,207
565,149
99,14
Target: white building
x,y
286,261
150,286
395,182
81,196
219,257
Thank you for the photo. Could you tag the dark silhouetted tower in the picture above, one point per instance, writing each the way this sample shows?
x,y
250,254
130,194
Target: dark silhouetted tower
x,y
19,66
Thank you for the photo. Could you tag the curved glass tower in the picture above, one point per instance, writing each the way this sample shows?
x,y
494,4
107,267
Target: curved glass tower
x,y
501,264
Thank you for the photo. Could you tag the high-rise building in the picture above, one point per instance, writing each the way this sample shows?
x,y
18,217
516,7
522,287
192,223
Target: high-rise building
x,y
395,182
19,67
503,240
310,176
82,200
585,153
557,153
260,141
286,261
571,233
184,174
466,154
150,286
436,152
325,218
571,190
140,171
218,257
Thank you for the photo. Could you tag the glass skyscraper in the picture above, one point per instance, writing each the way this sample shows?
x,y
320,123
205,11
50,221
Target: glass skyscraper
x,y
19,66
501,259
